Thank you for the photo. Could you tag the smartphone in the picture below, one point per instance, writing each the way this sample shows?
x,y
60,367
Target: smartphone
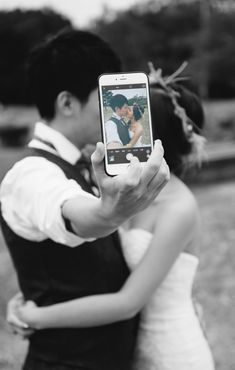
x,y
125,119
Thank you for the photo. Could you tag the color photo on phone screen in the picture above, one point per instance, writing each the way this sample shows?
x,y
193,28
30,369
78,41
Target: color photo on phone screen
x,y
126,122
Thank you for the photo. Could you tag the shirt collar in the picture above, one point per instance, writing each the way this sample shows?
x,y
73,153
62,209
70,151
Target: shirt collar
x,y
116,116
55,142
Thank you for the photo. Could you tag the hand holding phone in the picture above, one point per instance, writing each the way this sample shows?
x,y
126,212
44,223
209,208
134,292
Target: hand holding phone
x,y
126,194
125,119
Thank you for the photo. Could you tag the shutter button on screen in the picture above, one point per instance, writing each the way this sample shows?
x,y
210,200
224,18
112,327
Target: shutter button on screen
x,y
129,156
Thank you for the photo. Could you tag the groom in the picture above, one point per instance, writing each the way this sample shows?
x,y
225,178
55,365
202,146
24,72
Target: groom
x,y
116,129
61,237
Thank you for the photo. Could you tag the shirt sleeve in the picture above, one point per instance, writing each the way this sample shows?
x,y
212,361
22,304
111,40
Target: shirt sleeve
x,y
32,195
112,133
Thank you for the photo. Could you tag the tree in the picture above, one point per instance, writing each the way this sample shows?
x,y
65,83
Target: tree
x,y
201,32
20,31
107,95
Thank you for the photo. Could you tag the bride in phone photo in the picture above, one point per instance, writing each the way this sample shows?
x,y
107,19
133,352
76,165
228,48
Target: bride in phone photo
x,y
135,114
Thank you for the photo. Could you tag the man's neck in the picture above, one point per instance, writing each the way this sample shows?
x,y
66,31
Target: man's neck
x,y
48,137
66,128
117,116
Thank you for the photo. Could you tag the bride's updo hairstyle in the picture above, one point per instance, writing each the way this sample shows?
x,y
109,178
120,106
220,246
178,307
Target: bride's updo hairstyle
x,y
177,119
138,111
167,126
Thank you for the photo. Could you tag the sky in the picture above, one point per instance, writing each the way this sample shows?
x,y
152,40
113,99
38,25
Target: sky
x,y
80,12
130,93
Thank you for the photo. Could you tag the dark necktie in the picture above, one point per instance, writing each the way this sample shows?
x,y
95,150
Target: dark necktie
x,y
84,165
123,122
85,168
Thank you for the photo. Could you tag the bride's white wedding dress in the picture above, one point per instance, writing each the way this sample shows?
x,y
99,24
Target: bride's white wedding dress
x,y
170,336
139,141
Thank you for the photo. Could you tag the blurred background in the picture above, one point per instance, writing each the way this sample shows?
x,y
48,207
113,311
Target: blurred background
x,y
167,32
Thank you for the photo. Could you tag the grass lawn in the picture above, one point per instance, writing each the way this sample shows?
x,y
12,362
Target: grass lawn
x,y
214,287
219,120
215,284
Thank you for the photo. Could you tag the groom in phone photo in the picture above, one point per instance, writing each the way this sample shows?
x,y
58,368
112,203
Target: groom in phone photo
x,y
116,128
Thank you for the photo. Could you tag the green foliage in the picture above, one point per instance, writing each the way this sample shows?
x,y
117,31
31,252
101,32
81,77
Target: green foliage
x,y
107,95
140,100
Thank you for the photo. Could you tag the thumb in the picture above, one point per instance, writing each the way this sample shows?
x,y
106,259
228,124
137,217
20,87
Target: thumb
x,y
31,304
97,158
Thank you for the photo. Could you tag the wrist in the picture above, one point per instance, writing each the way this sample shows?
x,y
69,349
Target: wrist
x,y
40,318
34,318
107,212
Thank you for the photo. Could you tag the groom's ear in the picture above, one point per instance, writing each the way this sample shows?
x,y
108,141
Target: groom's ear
x,y
65,104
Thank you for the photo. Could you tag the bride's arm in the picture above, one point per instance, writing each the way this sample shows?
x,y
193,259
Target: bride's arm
x,y
172,234
137,133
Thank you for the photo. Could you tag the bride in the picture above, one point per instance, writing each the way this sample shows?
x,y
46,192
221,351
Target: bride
x,y
135,114
160,245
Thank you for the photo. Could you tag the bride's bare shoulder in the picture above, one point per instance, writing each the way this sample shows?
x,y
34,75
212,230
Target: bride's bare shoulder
x,y
177,205
175,202
176,194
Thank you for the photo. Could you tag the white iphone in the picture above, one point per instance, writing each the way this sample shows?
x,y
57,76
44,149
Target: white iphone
x,y
125,119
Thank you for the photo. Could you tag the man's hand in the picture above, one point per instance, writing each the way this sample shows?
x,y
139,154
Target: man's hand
x,y
124,195
16,324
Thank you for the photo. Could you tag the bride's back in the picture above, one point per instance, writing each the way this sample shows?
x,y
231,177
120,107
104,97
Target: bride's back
x,y
170,336
178,194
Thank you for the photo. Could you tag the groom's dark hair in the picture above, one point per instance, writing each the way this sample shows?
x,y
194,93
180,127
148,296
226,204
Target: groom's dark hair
x,y
70,61
117,101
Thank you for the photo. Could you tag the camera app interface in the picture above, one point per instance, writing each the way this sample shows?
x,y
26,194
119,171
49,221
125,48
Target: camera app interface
x,y
126,121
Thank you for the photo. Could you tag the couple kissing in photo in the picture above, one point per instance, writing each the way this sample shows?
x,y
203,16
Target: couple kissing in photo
x,y
124,128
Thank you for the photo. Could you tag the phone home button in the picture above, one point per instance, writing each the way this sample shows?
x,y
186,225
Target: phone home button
x,y
129,156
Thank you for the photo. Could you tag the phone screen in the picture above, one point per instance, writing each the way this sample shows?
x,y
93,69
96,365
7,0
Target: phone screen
x,y
127,120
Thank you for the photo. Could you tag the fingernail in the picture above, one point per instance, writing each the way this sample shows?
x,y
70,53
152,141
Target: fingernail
x,y
158,142
134,159
99,147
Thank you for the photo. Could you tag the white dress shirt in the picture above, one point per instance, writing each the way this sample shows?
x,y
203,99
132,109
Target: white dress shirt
x,y
34,190
111,131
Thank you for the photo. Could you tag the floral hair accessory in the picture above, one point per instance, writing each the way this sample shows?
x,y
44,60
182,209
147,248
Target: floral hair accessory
x,y
163,85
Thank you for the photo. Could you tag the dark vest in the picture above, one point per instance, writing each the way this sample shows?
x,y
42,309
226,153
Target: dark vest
x,y
49,272
123,130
